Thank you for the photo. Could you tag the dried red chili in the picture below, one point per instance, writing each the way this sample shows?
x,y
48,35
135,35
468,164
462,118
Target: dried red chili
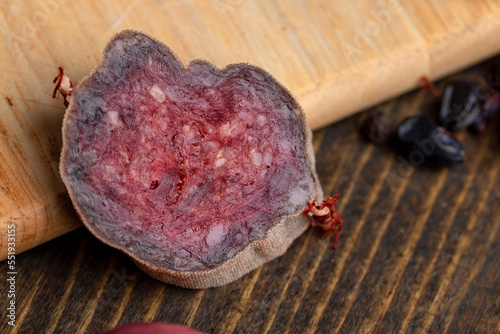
x,y
326,217
63,86
427,84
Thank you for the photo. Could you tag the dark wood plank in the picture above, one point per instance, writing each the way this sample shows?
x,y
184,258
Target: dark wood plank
x,y
420,252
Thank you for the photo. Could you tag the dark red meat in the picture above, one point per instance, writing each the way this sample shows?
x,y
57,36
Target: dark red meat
x,y
189,170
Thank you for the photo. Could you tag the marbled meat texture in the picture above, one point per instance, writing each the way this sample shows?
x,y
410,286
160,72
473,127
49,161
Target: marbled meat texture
x,y
183,166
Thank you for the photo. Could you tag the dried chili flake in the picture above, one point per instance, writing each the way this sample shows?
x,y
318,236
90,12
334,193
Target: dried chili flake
x,y
427,84
326,217
63,86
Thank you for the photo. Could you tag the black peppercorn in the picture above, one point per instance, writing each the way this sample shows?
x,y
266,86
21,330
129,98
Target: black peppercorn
x,y
376,127
489,110
422,142
460,105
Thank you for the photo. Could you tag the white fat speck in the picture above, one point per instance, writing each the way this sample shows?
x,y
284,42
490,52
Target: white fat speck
x,y
121,191
150,60
268,158
215,235
188,233
219,162
261,120
284,145
157,93
119,46
182,253
238,237
193,189
123,154
256,157
227,128
110,173
298,197
113,118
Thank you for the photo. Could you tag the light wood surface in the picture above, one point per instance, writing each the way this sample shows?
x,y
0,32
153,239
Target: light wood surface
x,y
336,56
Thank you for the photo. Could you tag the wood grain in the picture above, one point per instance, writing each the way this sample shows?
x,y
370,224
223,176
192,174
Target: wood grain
x,y
336,56
419,254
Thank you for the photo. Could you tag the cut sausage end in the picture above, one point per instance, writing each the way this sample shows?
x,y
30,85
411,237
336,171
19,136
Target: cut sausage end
x,y
199,174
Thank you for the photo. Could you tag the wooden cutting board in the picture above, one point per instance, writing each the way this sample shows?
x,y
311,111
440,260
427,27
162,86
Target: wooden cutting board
x,y
336,56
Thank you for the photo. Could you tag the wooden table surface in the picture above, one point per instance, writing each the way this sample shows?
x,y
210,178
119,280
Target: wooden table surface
x,y
420,252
